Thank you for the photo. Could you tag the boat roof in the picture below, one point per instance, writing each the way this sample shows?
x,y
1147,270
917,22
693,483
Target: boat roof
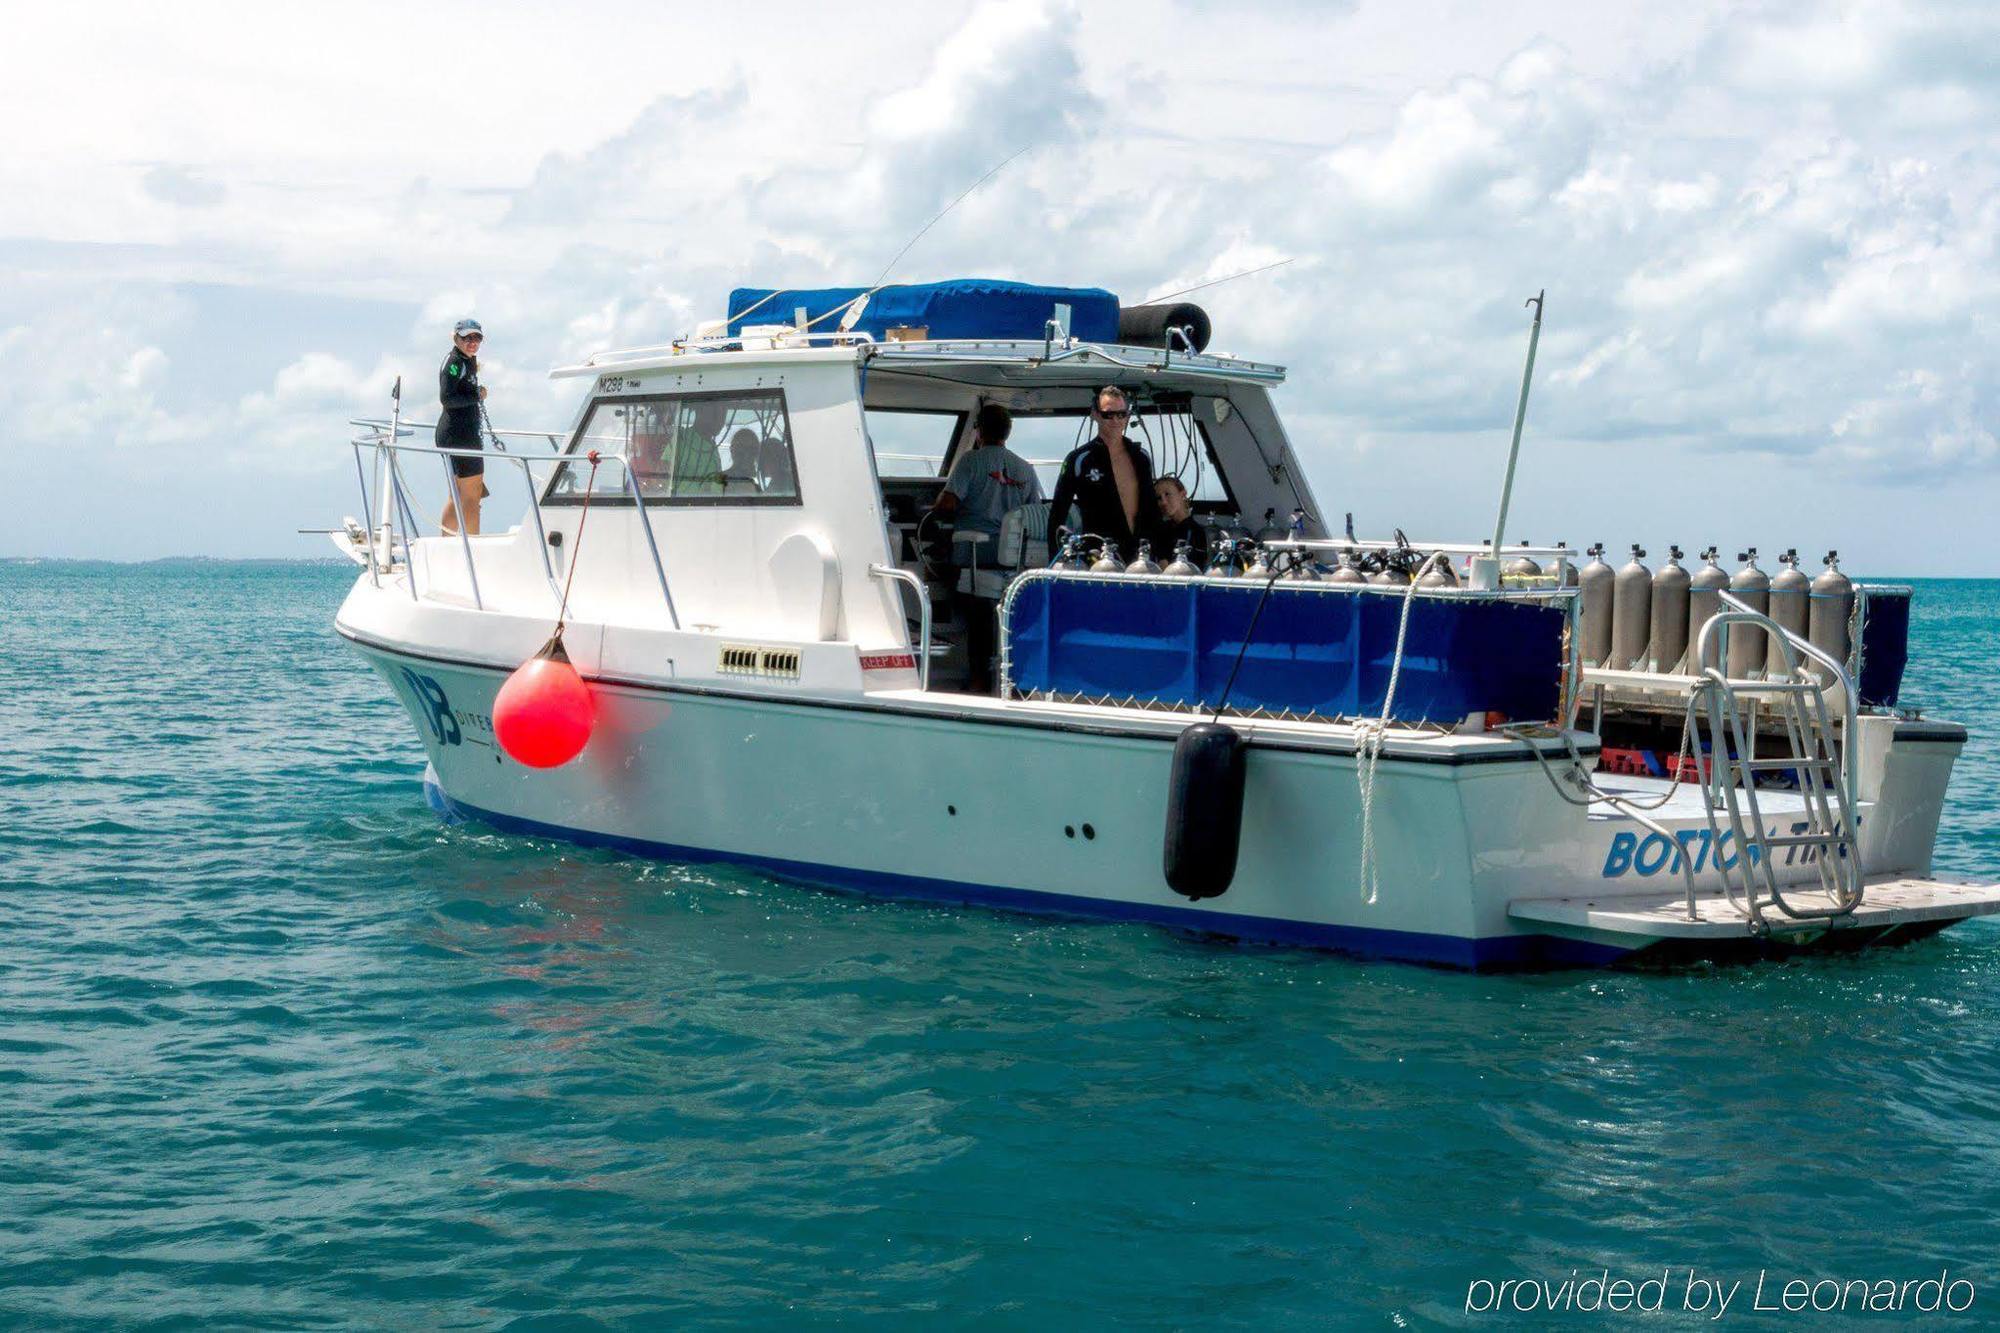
x,y
1053,362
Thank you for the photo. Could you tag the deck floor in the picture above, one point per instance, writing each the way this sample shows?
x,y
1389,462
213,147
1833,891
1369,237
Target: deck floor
x,y
1686,802
1663,914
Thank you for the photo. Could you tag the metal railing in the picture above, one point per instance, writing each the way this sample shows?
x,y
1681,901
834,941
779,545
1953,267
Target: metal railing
x,y
398,517
382,425
904,576
1830,834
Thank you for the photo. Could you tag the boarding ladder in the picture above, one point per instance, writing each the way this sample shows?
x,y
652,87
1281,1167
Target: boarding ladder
x,y
1825,834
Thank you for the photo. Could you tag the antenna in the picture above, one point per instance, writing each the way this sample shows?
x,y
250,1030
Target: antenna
x,y
1217,282
1520,416
881,279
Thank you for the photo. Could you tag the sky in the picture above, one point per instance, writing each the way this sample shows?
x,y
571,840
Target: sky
x,y
1767,235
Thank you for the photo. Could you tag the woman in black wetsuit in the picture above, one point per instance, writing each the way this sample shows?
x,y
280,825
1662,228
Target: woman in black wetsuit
x,y
459,397
1177,524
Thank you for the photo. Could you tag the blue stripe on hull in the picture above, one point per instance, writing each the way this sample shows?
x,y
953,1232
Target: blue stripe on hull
x,y
1499,953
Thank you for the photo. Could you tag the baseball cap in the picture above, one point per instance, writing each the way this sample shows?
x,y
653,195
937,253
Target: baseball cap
x,y
465,326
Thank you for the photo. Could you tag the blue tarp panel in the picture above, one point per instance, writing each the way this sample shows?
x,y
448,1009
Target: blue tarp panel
x,y
1315,650
967,308
1885,648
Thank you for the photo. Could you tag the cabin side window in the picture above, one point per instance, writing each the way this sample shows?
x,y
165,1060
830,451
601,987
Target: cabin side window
x,y
726,448
912,442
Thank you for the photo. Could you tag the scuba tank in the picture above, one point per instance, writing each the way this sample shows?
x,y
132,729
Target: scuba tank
x,y
1703,603
1183,566
1388,573
1832,603
1107,561
1144,564
1439,574
1345,570
1521,567
1752,587
1593,584
1791,592
1567,565
1304,568
1260,565
1670,613
1631,613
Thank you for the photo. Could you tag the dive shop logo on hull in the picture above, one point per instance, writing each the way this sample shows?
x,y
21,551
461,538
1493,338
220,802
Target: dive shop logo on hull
x,y
448,725
1654,853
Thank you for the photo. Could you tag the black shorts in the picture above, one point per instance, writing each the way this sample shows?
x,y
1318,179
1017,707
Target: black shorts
x,y
466,467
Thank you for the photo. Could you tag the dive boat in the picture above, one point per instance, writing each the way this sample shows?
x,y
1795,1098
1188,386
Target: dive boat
x,y
1431,751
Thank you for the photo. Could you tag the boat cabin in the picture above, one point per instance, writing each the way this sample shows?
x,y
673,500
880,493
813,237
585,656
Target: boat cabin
x,y
790,475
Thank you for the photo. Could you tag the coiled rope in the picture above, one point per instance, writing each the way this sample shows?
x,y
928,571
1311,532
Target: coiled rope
x,y
1370,734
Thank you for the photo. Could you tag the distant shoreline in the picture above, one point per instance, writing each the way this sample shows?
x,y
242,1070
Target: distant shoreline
x,y
166,560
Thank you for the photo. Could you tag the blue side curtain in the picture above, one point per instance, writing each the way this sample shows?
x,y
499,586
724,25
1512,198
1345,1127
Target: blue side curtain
x,y
1885,648
1314,650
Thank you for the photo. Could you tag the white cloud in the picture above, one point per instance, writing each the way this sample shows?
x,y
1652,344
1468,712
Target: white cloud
x,y
1764,236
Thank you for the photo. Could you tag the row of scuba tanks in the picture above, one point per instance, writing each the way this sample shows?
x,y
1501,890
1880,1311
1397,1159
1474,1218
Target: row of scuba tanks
x,y
1245,557
1636,619
1630,619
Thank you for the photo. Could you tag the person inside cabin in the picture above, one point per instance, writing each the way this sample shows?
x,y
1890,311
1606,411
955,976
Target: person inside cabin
x,y
776,462
743,476
988,482
1177,524
697,463
1110,480
460,399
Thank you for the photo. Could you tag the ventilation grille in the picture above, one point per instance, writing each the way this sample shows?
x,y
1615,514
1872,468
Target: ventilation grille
x,y
739,659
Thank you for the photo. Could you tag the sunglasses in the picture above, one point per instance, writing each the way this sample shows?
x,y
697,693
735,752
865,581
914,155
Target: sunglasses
x,y
473,338
1113,416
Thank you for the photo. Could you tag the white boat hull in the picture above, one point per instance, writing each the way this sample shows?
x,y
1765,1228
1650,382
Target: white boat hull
x,y
1029,815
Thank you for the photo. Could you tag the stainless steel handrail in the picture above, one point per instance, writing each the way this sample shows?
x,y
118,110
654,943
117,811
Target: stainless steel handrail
x,y
1850,703
923,615
1840,835
406,516
379,426
464,540
646,526
1449,548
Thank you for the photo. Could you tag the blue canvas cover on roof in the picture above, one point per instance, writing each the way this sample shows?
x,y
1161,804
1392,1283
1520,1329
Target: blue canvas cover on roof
x,y
963,308
1316,650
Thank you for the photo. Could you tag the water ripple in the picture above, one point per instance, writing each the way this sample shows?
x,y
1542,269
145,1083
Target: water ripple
x,y
277,1049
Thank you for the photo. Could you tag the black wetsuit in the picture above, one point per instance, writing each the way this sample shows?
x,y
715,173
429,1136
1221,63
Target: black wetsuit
x,y
1087,480
458,414
1168,535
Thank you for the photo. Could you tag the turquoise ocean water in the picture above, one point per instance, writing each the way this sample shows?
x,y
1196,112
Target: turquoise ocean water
x,y
279,1049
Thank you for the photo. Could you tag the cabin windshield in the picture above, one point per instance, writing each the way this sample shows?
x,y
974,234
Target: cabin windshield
x,y
733,447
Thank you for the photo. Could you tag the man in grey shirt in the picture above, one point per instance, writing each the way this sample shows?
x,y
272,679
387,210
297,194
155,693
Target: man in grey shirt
x,y
986,484
990,480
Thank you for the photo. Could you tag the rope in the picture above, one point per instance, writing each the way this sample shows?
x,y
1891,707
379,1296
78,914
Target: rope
x,y
1370,734
1244,647
1579,776
569,576
491,434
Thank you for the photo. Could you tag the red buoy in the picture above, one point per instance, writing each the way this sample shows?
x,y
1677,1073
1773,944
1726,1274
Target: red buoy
x,y
543,714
